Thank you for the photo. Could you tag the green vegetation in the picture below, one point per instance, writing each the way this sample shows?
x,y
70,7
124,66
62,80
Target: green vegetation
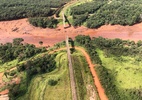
x,y
43,22
84,80
8,65
42,85
18,50
118,65
11,9
91,13
46,76
20,60
100,12
33,9
32,67
127,72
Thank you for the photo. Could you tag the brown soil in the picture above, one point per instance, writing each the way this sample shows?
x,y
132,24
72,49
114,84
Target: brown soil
x,y
22,29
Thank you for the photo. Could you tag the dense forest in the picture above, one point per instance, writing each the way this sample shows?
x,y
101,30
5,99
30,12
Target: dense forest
x,y
113,48
18,50
11,9
101,12
33,9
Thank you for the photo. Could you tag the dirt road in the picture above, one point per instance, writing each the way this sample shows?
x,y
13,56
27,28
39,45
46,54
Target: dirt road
x,y
97,83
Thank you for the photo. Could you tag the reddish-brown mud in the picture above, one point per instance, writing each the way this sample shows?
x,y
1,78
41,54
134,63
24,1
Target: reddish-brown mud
x,y
123,32
22,29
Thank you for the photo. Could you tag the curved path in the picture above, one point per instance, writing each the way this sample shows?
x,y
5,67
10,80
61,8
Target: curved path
x,y
97,83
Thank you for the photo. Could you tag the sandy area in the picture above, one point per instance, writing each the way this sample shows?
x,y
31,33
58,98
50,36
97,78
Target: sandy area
x,y
22,29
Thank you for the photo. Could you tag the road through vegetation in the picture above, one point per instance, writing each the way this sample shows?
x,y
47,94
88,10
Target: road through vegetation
x,y
97,83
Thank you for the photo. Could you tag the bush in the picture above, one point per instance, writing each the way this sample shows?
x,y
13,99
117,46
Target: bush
x,y
12,73
52,82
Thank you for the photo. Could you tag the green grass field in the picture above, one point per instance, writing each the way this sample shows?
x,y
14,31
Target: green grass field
x,y
127,71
